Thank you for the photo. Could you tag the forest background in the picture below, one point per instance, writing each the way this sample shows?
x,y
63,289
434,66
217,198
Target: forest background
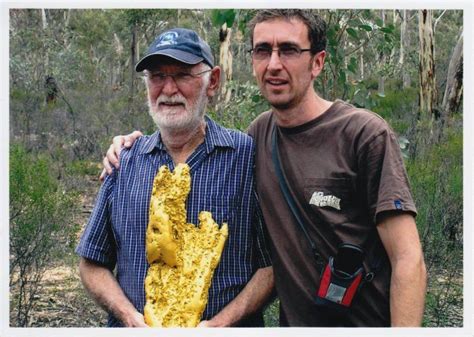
x,y
73,87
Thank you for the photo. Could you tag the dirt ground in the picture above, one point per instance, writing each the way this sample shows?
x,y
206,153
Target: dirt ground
x,y
63,302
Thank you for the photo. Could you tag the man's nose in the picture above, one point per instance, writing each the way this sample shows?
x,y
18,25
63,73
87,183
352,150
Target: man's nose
x,y
169,86
275,62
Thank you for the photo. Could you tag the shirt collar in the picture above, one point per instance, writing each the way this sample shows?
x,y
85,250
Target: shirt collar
x,y
216,136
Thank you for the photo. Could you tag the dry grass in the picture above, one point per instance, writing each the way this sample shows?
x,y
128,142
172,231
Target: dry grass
x,y
62,302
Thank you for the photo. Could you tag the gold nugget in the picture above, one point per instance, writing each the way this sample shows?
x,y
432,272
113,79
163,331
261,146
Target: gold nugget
x,y
182,256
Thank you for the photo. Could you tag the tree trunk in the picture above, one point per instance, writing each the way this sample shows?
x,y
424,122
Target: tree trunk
x,y
407,44
49,82
404,45
437,20
202,25
225,62
403,33
428,92
392,50
67,17
133,60
133,49
382,58
116,66
44,19
454,84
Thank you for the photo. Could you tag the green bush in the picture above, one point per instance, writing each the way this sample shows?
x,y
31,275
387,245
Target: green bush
x,y
436,179
246,104
40,210
398,108
271,314
83,168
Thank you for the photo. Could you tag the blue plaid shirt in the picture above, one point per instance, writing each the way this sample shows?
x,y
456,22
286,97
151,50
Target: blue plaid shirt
x,y
222,173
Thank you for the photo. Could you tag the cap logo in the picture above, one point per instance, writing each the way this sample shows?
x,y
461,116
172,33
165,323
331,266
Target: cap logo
x,y
167,39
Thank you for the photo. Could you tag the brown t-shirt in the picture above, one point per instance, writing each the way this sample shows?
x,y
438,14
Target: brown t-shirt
x,y
343,169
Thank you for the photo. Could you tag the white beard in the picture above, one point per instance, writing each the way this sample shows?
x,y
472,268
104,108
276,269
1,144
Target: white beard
x,y
184,116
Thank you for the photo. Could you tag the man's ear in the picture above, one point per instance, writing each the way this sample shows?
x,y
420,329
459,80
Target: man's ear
x,y
317,64
253,68
214,81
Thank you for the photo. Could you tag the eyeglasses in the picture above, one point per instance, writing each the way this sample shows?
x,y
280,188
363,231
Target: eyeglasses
x,y
180,78
285,52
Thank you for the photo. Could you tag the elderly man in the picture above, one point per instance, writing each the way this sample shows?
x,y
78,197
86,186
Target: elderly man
x,y
333,190
180,77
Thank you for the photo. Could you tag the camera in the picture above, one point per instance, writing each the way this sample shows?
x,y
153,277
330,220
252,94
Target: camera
x,y
341,278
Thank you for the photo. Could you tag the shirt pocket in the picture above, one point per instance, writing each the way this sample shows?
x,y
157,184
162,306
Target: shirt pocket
x,y
221,206
331,199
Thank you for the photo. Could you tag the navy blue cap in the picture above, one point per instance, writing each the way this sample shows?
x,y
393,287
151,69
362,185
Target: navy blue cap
x,y
181,44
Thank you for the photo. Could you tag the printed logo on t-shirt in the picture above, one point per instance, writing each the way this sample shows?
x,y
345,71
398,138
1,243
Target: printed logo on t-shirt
x,y
320,200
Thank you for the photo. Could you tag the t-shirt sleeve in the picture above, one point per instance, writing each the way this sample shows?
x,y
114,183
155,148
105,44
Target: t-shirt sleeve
x,y
97,242
388,187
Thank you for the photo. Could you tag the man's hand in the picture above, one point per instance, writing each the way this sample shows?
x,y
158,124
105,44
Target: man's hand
x,y
207,324
136,320
250,299
113,153
212,323
105,290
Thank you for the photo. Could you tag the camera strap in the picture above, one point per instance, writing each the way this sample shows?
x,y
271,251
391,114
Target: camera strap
x,y
286,192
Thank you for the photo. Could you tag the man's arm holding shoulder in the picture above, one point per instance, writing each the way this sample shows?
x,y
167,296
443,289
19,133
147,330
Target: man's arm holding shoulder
x,y
112,157
104,288
400,238
254,295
